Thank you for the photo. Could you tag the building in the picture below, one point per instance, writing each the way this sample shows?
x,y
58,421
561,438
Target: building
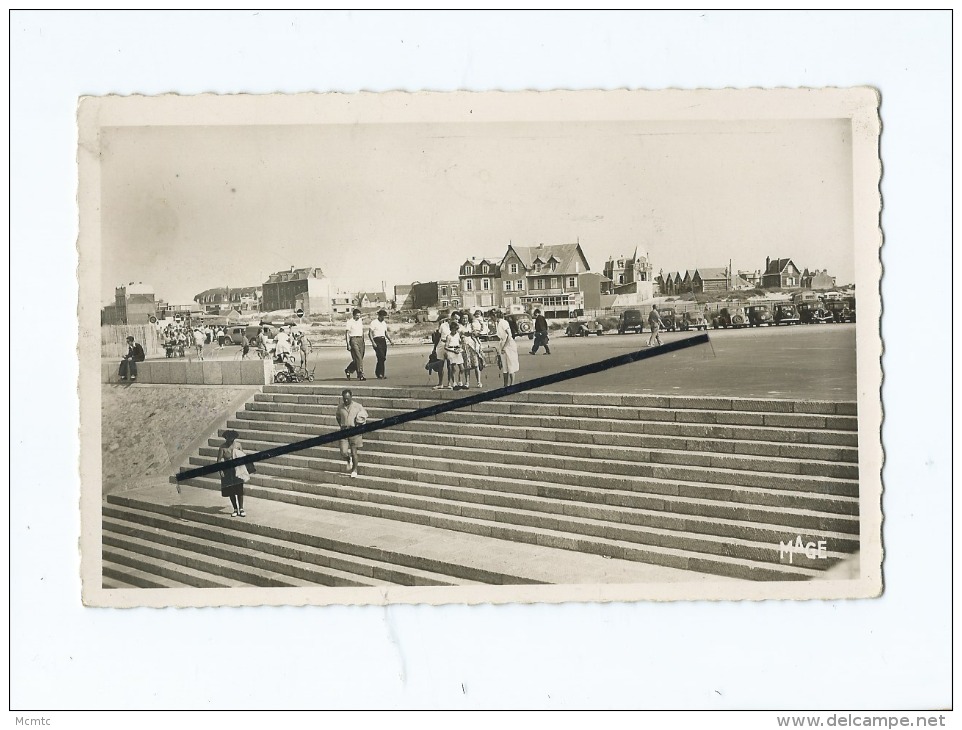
x,y
225,298
134,303
371,299
546,277
630,275
781,274
306,289
480,281
449,293
342,304
817,279
752,277
403,298
709,280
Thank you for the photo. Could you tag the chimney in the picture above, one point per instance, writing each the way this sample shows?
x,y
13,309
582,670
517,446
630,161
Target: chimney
x,y
768,262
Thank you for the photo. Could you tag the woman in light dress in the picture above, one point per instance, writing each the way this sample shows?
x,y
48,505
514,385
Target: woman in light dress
x,y
507,349
454,352
472,349
233,480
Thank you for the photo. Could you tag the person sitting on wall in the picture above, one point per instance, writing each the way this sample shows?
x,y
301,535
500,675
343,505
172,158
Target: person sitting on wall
x,y
135,354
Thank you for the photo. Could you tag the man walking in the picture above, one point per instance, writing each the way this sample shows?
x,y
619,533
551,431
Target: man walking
x,y
540,333
654,321
354,338
380,339
135,354
350,413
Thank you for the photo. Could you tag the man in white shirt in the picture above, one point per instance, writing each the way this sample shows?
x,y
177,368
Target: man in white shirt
x,y
380,339
354,339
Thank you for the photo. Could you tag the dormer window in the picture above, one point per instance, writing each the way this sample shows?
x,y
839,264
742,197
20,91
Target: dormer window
x,y
484,269
468,270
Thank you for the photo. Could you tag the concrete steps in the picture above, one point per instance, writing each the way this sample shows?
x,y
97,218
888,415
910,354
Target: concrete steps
x,y
259,555
714,485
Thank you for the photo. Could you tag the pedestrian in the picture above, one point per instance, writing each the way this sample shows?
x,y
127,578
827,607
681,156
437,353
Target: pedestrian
x,y
199,340
304,349
354,339
380,339
454,352
442,334
540,333
350,413
135,354
233,479
507,349
654,321
221,336
472,350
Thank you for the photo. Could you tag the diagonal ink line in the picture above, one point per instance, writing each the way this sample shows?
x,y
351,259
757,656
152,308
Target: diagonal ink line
x,y
450,405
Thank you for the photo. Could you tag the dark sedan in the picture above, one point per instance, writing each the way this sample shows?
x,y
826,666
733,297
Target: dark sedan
x,y
583,329
730,317
814,313
693,321
786,314
758,315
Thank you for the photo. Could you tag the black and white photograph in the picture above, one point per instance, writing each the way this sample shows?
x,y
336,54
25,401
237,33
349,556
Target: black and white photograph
x,y
616,342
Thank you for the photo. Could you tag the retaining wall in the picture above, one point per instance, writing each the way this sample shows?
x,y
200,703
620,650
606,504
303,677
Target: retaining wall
x,y
208,372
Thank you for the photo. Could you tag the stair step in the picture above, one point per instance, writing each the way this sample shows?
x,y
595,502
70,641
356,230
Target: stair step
x,y
315,564
492,410
123,576
743,539
697,499
612,546
846,408
177,574
622,475
548,438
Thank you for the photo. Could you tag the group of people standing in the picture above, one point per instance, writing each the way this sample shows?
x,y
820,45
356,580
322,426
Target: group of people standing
x,y
458,350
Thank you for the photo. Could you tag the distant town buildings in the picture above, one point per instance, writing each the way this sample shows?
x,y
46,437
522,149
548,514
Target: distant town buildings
x,y
306,289
134,303
817,279
781,274
480,280
224,299
630,275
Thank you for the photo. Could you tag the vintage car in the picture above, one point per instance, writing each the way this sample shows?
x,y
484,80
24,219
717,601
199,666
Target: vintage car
x,y
758,315
730,317
669,320
521,324
583,329
631,319
841,310
693,321
786,314
814,313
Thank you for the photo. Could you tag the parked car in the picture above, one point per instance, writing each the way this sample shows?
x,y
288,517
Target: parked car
x,y
814,313
521,324
758,315
693,321
841,311
786,314
669,320
583,329
631,319
730,317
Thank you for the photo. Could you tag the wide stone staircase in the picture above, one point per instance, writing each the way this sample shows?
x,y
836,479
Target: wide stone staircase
x,y
713,485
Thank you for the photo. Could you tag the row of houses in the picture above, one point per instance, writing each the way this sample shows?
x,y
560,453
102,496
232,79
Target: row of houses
x,y
778,274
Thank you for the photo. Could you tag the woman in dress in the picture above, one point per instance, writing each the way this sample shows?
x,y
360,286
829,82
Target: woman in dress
x,y
472,349
507,349
232,481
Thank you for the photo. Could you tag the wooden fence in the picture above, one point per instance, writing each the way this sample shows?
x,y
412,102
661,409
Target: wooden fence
x,y
113,339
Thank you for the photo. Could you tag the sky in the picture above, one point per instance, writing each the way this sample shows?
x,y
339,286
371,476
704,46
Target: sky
x,y
188,208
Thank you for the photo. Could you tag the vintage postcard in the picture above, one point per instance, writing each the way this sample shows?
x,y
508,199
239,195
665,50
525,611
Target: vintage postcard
x,y
480,347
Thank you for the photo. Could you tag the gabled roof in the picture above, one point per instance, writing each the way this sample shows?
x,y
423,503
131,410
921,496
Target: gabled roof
x,y
372,295
713,273
565,253
777,266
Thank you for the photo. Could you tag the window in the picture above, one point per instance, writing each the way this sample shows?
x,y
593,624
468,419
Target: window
x,y
571,282
507,285
486,284
621,278
513,268
554,282
468,285
519,285
485,269
444,302
537,266
444,291
455,303
539,283
468,270
554,265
